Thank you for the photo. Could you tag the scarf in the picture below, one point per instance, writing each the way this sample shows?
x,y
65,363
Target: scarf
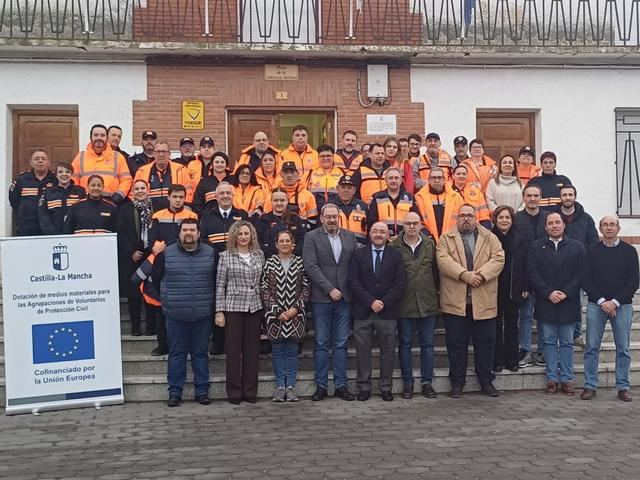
x,y
144,211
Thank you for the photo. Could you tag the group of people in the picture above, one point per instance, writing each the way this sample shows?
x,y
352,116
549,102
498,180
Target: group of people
x,y
384,239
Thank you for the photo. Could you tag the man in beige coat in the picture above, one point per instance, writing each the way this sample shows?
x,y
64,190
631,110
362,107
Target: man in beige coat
x,y
470,258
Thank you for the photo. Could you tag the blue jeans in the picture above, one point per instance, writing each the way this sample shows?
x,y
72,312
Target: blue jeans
x,y
577,332
188,338
332,322
425,327
554,334
621,326
526,321
284,356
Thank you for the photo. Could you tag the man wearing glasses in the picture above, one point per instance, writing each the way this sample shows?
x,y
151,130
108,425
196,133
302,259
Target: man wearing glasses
x,y
438,205
470,258
161,174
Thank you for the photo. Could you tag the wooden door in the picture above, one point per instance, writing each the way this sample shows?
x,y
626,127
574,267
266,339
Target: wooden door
x,y
57,131
244,126
505,133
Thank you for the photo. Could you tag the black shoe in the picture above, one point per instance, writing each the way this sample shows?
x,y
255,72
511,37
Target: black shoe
x,y
203,399
158,352
513,368
407,392
428,391
174,402
319,394
149,333
265,347
456,391
498,368
387,396
234,401
216,351
489,390
344,394
136,333
250,399
363,396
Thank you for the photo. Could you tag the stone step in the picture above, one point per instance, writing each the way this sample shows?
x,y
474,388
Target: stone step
x,y
145,364
141,388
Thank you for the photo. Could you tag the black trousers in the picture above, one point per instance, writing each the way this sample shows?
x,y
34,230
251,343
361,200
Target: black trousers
x,y
507,338
459,330
134,302
160,326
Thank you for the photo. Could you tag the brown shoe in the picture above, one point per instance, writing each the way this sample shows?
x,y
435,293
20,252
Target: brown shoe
x,y
567,388
625,395
588,394
552,388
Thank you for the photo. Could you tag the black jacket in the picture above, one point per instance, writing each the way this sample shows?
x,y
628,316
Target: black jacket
x,y
387,284
550,186
24,195
92,216
522,225
214,228
138,160
512,281
268,226
54,206
580,226
550,269
205,194
129,241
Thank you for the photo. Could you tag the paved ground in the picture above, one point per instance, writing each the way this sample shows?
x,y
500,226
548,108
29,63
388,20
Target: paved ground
x,y
523,435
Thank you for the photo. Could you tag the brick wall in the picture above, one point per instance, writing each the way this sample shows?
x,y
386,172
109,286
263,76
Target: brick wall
x,y
221,87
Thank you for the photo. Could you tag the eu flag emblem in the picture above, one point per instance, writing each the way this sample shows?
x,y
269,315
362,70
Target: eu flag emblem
x,y
63,342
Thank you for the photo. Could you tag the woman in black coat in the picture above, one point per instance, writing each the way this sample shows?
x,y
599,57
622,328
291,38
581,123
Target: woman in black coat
x,y
511,289
134,221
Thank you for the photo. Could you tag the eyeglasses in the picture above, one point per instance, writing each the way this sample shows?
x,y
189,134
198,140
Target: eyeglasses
x,y
161,152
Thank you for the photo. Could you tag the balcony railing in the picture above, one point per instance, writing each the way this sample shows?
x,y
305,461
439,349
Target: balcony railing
x,y
413,23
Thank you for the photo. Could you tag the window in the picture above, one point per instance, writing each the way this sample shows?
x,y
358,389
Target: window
x,y
627,172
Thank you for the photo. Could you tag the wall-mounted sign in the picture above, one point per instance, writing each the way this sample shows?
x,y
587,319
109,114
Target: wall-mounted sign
x,y
281,72
192,115
381,124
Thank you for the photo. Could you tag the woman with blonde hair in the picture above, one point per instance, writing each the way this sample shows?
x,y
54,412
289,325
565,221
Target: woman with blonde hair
x,y
239,310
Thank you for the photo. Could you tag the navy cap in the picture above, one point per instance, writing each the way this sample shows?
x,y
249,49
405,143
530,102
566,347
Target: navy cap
x,y
149,134
432,135
527,150
207,141
460,140
346,180
184,140
289,166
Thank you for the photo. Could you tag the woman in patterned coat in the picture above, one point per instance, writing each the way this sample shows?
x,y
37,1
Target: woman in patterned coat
x,y
285,288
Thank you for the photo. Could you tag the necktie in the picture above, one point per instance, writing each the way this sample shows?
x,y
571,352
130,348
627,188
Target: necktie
x,y
378,261
225,215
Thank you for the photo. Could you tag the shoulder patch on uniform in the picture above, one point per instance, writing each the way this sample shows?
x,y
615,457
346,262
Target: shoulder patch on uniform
x,y
105,214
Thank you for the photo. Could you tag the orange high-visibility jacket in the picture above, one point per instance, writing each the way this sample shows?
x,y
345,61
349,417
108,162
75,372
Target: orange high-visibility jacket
x,y
452,202
159,189
306,161
321,183
339,161
529,172
480,175
368,181
472,195
421,167
250,199
245,157
110,165
301,202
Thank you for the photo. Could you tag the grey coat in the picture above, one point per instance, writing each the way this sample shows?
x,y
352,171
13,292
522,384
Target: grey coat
x,y
321,266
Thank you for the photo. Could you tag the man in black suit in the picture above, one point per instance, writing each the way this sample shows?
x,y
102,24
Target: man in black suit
x,y
377,286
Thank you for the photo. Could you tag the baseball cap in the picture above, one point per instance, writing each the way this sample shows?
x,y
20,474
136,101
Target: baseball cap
x,y
346,180
207,141
460,140
433,135
289,166
527,150
149,133
184,140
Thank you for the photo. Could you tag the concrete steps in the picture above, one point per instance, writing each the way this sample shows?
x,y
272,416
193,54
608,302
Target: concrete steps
x,y
145,375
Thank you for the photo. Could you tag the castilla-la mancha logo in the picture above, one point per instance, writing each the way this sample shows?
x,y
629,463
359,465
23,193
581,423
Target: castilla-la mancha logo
x,y
60,257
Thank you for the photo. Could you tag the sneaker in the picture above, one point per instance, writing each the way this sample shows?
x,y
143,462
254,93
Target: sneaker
x,y
291,395
579,342
526,361
540,359
279,395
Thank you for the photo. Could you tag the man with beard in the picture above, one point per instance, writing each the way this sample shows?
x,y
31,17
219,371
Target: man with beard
x,y
434,157
470,258
149,139
187,151
461,149
100,157
348,158
186,273
327,253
